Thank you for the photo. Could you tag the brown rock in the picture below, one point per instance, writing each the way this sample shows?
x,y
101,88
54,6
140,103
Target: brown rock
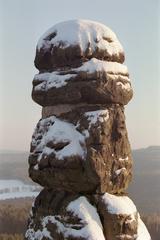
x,y
102,86
69,216
63,216
72,42
83,150
80,146
84,64
119,217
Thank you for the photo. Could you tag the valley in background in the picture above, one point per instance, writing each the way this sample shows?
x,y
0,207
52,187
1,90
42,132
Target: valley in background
x,y
144,191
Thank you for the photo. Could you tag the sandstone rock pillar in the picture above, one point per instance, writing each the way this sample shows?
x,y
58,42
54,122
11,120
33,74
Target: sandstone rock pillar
x,y
80,151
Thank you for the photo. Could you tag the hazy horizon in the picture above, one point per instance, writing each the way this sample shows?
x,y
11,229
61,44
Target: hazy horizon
x,y
13,151
136,25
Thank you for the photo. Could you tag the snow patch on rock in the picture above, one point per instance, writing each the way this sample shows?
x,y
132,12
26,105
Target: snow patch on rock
x,y
57,132
53,79
118,171
89,226
60,79
84,33
119,204
56,79
31,234
96,65
95,116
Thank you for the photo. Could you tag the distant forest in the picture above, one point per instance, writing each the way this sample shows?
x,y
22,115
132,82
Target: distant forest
x,y
13,218
14,215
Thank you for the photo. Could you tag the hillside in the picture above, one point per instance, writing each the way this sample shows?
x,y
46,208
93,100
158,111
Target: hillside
x,y
145,186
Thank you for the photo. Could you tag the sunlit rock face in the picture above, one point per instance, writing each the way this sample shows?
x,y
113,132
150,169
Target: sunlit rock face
x,y
80,151
80,61
83,147
70,43
85,150
63,215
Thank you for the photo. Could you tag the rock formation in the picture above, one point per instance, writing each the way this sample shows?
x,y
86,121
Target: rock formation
x,y
80,151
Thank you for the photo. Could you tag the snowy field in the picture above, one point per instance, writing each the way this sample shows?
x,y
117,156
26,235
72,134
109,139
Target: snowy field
x,y
10,189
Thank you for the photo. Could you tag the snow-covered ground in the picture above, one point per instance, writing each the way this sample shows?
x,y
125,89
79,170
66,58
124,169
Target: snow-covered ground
x,y
10,189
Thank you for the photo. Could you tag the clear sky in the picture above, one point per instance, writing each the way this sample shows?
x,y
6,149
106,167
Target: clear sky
x,y
22,22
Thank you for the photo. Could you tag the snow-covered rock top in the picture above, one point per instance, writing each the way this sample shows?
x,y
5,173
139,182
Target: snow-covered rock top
x,y
77,60
84,33
119,204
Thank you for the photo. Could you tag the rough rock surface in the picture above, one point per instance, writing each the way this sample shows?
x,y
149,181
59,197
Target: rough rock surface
x,y
63,215
80,151
120,216
95,81
85,150
67,216
82,64
69,43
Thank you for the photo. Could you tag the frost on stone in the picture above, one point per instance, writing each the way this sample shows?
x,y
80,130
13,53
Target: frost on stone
x,y
54,136
84,33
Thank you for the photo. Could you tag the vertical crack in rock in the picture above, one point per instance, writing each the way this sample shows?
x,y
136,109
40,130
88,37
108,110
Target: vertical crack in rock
x,y
80,152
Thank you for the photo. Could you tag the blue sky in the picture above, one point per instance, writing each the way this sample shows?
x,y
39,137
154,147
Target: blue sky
x,y
22,22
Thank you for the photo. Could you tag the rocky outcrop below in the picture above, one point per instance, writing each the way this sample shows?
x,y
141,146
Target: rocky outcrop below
x,y
80,151
65,215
